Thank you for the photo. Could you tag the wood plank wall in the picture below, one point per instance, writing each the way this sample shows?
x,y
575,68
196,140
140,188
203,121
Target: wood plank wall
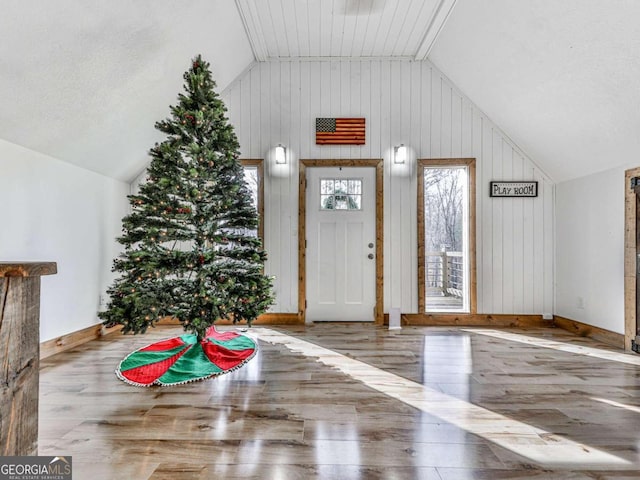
x,y
404,102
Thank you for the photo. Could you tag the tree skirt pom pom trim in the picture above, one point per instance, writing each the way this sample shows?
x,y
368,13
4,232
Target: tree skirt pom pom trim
x,y
182,359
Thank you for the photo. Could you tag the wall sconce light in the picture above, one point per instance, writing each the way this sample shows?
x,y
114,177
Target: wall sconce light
x,y
281,154
399,153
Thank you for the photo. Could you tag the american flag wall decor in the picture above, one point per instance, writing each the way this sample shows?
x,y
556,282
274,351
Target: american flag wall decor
x,y
340,131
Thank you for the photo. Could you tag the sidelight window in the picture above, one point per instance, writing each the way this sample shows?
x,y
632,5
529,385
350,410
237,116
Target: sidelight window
x,y
445,218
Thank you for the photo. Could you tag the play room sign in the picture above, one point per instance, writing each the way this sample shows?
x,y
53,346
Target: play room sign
x,y
513,189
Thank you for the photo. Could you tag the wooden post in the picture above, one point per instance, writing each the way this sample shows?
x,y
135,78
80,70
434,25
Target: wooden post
x,y
20,355
445,273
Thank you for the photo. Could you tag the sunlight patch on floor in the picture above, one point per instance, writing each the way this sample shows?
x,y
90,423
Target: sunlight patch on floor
x,y
631,408
631,359
537,445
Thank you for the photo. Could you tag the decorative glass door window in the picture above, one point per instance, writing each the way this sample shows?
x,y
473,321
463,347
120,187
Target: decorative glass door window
x,y
341,194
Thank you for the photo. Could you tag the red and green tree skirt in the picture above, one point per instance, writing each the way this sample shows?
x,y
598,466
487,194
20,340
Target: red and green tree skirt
x,y
191,249
183,359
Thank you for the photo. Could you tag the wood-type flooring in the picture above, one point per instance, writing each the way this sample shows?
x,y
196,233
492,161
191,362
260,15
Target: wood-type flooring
x,y
355,401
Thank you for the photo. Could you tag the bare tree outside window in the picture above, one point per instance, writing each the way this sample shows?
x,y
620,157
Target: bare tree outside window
x,y
444,211
443,208
251,179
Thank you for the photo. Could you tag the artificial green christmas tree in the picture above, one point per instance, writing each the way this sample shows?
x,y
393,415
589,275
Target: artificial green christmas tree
x,y
190,246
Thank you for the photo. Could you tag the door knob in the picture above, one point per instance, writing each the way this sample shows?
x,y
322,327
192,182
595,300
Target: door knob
x,y
370,256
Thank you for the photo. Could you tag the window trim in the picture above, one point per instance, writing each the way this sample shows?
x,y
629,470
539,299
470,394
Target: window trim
x,y
470,163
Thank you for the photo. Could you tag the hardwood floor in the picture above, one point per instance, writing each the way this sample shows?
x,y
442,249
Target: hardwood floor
x,y
355,401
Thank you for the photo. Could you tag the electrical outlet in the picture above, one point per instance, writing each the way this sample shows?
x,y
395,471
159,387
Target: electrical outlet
x,y
101,300
580,302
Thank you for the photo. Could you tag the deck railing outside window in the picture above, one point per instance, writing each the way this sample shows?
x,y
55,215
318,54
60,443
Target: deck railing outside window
x,y
444,274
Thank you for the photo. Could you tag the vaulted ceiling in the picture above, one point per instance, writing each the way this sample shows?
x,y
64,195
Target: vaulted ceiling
x,y
343,28
561,78
85,80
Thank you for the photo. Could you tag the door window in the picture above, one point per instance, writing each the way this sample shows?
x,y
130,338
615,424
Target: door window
x,y
341,194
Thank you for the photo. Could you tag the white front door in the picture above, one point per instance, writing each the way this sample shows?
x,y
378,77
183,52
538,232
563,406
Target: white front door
x,y
341,235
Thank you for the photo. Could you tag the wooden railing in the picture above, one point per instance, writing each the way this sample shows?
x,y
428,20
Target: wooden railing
x,y
444,274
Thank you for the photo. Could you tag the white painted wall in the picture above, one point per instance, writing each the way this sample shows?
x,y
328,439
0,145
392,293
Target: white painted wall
x,y
54,211
590,249
403,102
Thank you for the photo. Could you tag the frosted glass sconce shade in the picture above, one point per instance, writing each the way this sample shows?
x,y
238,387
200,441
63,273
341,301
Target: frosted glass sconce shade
x,y
400,154
281,154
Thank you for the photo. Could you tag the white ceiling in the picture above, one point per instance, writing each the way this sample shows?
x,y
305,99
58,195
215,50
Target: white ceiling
x,y
561,78
85,80
342,28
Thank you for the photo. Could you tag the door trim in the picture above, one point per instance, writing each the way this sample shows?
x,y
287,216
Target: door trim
x,y
630,314
302,229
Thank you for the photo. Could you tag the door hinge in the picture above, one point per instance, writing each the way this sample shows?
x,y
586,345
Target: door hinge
x,y
305,304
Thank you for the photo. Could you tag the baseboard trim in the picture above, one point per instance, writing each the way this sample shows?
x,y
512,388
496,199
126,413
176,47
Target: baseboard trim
x,y
273,319
584,330
74,339
264,319
471,320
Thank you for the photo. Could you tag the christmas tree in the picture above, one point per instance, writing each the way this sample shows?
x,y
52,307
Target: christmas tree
x,y
190,248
